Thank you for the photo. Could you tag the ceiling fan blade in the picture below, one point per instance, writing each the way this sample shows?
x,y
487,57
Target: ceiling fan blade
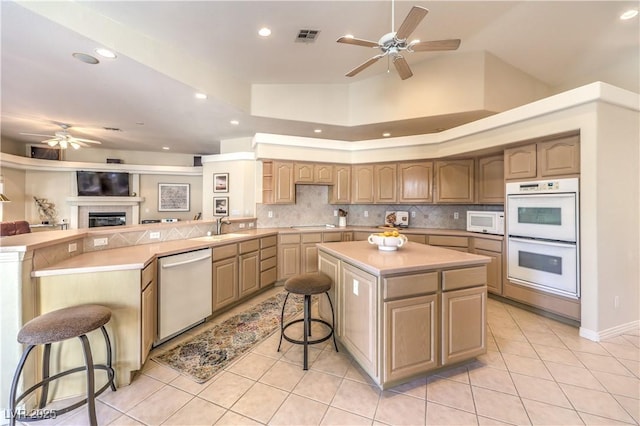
x,y
402,67
359,68
37,134
73,138
357,42
430,46
415,16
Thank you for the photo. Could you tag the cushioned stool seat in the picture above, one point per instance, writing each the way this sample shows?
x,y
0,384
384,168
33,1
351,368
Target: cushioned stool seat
x,y
56,326
308,285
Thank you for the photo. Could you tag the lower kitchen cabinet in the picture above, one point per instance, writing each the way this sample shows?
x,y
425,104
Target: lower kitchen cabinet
x,y
449,242
492,249
309,252
268,260
249,278
463,324
225,276
149,308
288,255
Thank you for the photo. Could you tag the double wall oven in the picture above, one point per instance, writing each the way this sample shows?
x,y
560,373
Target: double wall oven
x,y
543,235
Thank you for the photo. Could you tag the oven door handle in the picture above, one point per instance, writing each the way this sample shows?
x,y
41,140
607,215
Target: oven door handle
x,y
543,242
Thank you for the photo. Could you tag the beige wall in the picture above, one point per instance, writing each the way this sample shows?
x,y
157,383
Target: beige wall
x,y
149,190
13,188
241,168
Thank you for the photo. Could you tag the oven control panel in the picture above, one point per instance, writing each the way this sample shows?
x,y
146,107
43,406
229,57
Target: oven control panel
x,y
540,186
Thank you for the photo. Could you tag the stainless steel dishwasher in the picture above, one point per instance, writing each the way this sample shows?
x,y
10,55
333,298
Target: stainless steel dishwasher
x,y
184,292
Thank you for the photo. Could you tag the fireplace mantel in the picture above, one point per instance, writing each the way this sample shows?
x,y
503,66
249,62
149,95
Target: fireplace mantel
x,y
129,204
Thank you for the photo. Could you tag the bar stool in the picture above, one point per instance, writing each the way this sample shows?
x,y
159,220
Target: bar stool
x,y
308,285
56,326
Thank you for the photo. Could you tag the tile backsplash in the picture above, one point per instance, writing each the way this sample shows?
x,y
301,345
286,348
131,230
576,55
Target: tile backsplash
x,y
312,208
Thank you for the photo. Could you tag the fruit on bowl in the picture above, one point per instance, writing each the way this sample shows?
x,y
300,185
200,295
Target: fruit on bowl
x,y
389,240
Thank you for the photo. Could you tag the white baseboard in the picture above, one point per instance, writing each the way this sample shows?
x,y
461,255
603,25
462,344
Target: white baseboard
x,y
597,336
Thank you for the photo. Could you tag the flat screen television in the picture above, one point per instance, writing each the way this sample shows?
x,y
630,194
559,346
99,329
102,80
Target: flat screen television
x,y
103,184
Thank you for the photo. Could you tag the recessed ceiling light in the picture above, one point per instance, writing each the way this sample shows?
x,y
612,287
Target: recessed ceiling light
x,y
87,59
317,130
631,13
166,148
201,96
386,134
105,53
264,32
234,122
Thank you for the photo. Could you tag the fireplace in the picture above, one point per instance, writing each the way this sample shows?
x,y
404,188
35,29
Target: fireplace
x,y
97,219
81,207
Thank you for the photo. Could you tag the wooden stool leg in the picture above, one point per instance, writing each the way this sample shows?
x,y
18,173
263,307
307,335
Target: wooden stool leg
x,y
91,397
46,356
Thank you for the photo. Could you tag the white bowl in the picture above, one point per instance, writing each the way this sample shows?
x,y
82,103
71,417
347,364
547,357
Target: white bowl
x,y
387,243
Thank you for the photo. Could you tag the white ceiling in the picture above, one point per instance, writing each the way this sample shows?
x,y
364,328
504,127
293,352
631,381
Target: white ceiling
x,y
564,44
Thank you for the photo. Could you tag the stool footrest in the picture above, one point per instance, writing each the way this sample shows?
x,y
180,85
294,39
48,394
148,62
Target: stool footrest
x,y
309,342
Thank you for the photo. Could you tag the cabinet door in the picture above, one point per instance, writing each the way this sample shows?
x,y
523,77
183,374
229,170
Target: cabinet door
x,y
284,188
267,182
520,162
330,266
249,277
225,282
410,337
559,157
454,181
303,172
415,181
309,258
491,180
149,309
385,183
323,173
288,260
362,184
358,316
494,271
463,324
341,189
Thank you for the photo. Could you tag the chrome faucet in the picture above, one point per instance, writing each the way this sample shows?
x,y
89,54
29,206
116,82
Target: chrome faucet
x,y
219,222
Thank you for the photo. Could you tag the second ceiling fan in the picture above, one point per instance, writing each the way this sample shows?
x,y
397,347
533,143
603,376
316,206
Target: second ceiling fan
x,y
393,44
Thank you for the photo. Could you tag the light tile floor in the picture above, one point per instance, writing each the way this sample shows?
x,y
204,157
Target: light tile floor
x,y
536,371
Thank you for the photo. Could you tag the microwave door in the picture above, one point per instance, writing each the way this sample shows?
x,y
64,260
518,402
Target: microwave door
x,y
546,216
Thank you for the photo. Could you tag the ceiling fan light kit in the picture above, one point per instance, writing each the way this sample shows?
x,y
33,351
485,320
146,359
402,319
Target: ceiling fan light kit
x,y
63,139
394,43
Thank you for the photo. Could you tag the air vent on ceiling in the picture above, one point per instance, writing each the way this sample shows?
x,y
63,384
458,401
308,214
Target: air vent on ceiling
x,y
112,129
307,36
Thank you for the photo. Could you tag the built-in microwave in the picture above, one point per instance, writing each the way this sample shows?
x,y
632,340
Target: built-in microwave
x,y
485,222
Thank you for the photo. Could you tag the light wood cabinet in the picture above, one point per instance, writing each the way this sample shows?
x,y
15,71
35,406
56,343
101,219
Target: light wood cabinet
x,y
303,172
330,266
224,275
521,162
415,182
362,184
384,183
268,260
492,249
557,156
416,238
306,173
454,181
341,189
249,264
149,308
278,186
309,252
323,173
490,180
288,255
410,337
449,242
463,324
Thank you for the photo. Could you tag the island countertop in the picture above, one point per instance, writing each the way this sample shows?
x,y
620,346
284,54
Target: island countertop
x,y
411,257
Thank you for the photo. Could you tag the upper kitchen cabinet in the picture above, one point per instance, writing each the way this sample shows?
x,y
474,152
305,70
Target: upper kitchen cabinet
x,y
313,173
278,186
455,180
341,189
491,180
362,184
384,181
415,182
552,157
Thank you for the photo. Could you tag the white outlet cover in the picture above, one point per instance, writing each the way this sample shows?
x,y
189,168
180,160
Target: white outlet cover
x,y
355,287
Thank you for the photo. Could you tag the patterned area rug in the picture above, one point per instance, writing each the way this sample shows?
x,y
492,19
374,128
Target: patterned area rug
x,y
205,354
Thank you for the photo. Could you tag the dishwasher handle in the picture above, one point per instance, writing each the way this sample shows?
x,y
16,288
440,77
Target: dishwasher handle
x,y
185,262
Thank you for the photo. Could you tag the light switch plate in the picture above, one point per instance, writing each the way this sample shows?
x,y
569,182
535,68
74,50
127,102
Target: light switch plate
x,y
355,287
154,235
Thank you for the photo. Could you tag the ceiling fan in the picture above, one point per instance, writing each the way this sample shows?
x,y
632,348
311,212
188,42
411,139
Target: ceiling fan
x,y
63,139
393,44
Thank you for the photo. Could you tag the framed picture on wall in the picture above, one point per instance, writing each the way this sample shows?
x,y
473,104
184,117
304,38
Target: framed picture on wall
x,y
173,197
221,206
221,182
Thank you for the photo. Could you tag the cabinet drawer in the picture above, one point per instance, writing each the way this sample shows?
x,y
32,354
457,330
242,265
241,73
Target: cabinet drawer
x,y
268,241
489,245
268,277
417,238
330,237
249,246
148,275
315,237
289,238
268,263
410,285
224,251
268,252
463,278
445,240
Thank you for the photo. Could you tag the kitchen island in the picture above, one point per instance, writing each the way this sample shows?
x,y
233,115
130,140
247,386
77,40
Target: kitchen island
x,y
402,314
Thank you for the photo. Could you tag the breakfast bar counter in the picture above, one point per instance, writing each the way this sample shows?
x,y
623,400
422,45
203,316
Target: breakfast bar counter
x,y
406,313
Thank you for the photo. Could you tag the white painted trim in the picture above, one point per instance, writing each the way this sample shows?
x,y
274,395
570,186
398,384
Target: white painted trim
x,y
232,156
618,330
